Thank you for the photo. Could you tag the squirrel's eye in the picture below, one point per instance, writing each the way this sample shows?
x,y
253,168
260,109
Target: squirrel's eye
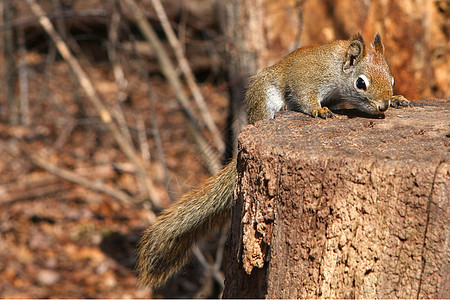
x,y
362,83
393,81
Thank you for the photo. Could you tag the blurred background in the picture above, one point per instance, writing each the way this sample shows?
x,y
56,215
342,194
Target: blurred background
x,y
112,109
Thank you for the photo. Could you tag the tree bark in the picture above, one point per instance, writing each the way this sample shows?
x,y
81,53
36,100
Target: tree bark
x,y
343,207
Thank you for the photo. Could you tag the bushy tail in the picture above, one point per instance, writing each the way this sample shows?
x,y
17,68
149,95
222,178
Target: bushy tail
x,y
165,246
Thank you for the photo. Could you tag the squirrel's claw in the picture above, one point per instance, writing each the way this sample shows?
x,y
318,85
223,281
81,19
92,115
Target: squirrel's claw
x,y
322,112
398,101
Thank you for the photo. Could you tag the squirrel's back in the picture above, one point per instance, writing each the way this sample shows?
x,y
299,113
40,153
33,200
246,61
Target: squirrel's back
x,y
313,77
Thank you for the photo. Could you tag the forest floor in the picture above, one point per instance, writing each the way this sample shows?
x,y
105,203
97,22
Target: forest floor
x,y
62,240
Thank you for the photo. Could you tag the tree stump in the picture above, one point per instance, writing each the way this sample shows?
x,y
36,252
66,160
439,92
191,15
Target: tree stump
x,y
349,207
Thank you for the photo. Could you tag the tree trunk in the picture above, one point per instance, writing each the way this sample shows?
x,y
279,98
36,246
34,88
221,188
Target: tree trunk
x,y
343,207
259,33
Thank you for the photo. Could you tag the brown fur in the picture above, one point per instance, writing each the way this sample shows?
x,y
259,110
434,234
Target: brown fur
x,y
318,76
165,246
305,81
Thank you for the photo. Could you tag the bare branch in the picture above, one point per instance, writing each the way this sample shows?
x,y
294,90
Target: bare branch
x,y
8,36
142,136
215,272
23,79
119,116
188,75
119,75
224,233
153,115
93,97
113,35
158,143
69,175
169,72
32,193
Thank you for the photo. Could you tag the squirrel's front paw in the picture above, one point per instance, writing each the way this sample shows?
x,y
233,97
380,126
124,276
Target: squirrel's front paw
x,y
398,101
322,112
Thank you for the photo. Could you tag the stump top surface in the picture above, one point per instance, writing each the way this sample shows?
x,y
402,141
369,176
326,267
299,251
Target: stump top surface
x,y
420,132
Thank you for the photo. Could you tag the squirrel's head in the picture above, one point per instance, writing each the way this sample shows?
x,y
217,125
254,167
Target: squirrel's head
x,y
369,77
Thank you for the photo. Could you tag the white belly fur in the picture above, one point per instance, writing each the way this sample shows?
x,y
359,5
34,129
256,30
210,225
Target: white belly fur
x,y
274,101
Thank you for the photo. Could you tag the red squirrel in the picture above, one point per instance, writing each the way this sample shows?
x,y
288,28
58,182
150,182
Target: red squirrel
x,y
310,80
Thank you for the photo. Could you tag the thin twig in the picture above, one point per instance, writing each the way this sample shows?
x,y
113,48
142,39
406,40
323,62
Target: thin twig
x,y
28,186
188,75
66,131
69,175
119,116
61,28
23,79
44,90
142,136
121,81
10,75
218,276
93,97
60,24
153,116
158,142
208,153
224,233
32,193
119,74
82,77
66,14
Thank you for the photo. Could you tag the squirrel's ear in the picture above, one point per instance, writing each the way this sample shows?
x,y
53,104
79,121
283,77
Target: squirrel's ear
x,y
378,45
355,52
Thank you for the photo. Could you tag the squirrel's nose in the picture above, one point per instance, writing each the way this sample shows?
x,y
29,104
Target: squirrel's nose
x,y
383,106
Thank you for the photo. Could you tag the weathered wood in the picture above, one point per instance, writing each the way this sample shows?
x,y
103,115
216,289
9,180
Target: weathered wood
x,y
343,207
